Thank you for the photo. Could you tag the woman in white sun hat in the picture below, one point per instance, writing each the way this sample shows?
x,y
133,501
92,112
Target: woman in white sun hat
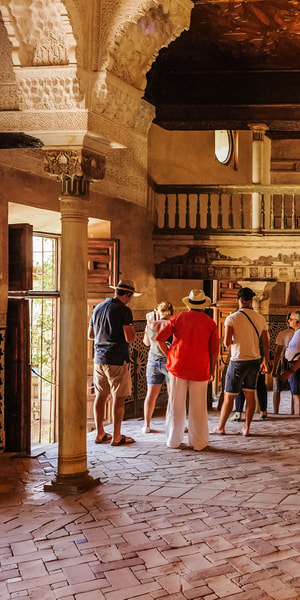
x,y
191,362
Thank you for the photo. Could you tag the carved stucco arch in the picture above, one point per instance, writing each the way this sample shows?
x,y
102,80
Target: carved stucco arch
x,y
132,34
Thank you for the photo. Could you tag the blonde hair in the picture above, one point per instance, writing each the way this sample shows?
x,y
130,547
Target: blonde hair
x,y
165,308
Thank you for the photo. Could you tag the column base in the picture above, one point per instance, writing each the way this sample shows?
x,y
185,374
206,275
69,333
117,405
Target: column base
x,y
72,484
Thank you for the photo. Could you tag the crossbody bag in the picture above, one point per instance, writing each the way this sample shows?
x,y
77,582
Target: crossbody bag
x,y
243,313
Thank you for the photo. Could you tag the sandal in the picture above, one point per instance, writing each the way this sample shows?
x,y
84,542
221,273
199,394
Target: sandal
x,y
105,439
124,441
236,417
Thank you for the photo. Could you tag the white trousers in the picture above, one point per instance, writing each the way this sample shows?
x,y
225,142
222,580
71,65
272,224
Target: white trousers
x,y
176,413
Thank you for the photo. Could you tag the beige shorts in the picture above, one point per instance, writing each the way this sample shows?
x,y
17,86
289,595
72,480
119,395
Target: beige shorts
x,y
113,379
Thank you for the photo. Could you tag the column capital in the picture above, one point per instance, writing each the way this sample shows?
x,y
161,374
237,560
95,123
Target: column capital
x,y
75,168
258,131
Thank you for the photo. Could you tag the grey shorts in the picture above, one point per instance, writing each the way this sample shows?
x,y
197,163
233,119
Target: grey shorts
x,y
241,375
113,379
280,386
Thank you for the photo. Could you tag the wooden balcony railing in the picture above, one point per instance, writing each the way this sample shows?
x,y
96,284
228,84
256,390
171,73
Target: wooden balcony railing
x,y
193,210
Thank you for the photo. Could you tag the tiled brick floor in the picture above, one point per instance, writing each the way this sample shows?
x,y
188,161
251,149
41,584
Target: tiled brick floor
x,y
222,523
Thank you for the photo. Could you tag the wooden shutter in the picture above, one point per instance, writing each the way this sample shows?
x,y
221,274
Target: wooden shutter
x,y
103,266
20,257
17,378
17,401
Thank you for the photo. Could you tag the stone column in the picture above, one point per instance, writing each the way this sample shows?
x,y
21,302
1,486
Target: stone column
x,y
72,474
258,169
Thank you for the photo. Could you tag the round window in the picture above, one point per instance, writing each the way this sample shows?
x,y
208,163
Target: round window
x,y
223,145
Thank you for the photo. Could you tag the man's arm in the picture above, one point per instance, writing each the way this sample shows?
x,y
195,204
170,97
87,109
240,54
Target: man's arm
x,y
91,335
265,340
129,333
228,335
276,359
286,374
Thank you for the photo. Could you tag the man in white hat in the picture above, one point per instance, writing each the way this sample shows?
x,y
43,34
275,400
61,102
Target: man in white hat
x,y
191,362
112,330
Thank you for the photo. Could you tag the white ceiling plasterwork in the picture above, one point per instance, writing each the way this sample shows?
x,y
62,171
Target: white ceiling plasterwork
x,y
77,67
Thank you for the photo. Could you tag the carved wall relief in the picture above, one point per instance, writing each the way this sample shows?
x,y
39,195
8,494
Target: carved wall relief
x,y
121,103
49,89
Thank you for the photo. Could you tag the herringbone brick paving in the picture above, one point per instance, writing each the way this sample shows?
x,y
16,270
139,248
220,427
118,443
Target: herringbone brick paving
x,y
177,524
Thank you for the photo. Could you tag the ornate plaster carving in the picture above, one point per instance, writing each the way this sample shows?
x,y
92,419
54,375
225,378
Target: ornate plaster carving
x,y
133,33
126,170
44,120
39,31
119,102
66,164
139,35
75,169
9,93
51,89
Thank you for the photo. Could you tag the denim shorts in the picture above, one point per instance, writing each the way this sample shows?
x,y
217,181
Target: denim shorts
x,y
294,382
241,374
156,372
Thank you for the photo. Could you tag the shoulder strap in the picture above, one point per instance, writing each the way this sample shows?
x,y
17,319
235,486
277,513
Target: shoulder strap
x,y
243,313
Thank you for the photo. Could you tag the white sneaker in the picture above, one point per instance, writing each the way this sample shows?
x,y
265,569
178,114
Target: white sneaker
x,y
146,429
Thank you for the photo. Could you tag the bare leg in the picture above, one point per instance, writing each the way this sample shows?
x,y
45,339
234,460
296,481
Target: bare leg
x,y
226,409
149,405
276,402
292,406
118,409
250,409
98,409
296,400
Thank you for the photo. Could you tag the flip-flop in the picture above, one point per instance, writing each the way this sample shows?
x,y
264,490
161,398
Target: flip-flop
x,y
245,434
124,441
105,439
217,433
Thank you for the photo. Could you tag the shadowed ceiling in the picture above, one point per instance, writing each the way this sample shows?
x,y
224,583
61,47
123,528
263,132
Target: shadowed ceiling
x,y
238,63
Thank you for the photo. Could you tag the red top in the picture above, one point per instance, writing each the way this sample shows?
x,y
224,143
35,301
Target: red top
x,y
195,338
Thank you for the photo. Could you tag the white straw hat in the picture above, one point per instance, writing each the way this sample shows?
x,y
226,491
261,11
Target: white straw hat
x,y
127,285
196,300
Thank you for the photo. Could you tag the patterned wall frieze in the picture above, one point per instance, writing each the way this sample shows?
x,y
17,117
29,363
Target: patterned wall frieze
x,y
44,120
209,263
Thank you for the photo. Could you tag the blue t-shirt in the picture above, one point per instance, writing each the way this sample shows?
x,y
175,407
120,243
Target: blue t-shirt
x,y
107,320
